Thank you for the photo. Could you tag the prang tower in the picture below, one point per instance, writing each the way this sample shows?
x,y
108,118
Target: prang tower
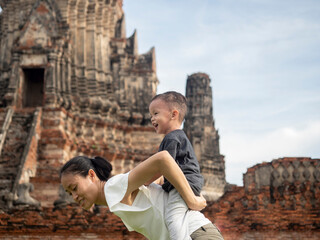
x,y
199,127
71,83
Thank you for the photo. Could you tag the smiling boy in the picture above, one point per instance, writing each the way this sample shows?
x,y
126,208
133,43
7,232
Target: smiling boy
x,y
167,112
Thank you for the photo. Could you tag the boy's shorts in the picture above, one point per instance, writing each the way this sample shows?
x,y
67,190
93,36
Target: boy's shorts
x,y
207,232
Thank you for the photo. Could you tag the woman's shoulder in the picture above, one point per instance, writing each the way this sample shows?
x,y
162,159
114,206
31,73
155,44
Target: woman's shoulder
x,y
118,179
115,189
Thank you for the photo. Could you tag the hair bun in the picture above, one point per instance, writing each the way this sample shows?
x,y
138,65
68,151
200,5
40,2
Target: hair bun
x,y
102,166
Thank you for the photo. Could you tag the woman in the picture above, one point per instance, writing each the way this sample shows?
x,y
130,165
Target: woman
x,y
140,207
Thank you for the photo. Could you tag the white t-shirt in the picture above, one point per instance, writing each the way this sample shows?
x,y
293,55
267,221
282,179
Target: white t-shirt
x,y
146,215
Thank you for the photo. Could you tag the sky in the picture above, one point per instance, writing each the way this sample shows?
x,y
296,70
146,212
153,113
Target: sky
x,y
263,59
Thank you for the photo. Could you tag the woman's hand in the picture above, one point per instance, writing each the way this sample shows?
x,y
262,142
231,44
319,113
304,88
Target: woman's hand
x,y
198,204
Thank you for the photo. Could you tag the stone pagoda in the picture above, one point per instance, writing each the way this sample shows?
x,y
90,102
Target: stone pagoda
x,y
199,127
71,83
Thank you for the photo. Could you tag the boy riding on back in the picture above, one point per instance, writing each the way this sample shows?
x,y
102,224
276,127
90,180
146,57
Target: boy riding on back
x,y
167,112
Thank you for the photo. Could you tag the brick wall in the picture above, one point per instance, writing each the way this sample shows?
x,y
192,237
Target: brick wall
x,y
70,221
64,135
291,203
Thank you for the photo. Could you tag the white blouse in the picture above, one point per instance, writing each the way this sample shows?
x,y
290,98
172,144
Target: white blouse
x,y
146,215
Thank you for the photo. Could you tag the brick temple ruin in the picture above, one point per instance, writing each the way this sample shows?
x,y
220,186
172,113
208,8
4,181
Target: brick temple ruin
x,y
200,128
72,83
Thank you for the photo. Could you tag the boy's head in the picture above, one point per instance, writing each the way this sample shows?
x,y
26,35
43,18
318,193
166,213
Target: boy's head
x,y
167,111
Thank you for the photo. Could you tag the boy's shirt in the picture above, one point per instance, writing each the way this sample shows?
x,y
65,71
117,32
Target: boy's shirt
x,y
180,148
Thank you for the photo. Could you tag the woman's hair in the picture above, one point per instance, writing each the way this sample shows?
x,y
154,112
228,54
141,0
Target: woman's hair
x,y
81,165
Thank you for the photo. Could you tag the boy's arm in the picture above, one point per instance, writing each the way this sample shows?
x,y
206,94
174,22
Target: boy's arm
x,y
162,163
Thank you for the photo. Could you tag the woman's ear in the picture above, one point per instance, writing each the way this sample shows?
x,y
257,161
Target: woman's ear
x,y
92,174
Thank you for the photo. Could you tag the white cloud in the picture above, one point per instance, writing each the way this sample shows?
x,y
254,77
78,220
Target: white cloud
x,y
245,150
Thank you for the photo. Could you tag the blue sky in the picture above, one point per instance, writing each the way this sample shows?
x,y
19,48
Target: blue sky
x,y
263,58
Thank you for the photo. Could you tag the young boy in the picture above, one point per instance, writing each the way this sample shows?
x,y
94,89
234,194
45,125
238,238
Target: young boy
x,y
167,112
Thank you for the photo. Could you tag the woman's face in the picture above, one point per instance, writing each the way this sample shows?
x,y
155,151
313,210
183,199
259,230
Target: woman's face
x,y
84,190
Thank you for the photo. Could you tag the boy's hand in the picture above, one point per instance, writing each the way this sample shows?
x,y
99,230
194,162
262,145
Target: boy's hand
x,y
198,204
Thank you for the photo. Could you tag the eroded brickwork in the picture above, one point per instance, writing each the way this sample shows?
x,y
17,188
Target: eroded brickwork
x,y
81,49
280,195
65,135
69,221
248,212
72,60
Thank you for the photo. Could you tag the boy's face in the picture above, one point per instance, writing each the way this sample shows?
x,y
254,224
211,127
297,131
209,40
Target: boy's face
x,y
162,118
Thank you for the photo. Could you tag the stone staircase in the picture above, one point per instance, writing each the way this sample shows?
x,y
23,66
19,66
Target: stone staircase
x,y
17,129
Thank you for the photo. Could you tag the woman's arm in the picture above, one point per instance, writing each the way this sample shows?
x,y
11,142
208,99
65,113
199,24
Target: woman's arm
x,y
154,178
162,163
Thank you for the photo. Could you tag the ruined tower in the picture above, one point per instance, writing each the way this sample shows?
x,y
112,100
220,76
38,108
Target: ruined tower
x,y
73,54
199,127
71,83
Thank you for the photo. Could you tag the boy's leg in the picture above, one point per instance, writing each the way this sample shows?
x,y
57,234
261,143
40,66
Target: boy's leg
x,y
176,217
207,232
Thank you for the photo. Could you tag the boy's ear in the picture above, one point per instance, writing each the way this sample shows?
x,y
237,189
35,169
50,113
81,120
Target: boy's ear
x,y
175,114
